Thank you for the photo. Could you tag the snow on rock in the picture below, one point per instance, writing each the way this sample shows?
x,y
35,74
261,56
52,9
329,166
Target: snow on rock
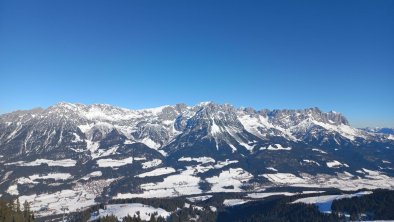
x,y
76,139
199,198
157,172
324,202
104,152
215,128
233,202
203,159
122,210
152,163
150,143
275,147
114,163
247,146
229,180
283,178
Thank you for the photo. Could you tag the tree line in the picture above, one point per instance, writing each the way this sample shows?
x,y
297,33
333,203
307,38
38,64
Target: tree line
x,y
11,211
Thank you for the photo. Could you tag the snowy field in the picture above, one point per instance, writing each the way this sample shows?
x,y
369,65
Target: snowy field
x,y
80,196
234,202
198,159
265,195
283,178
114,163
152,163
157,172
38,162
54,176
229,180
343,181
324,202
199,198
122,210
184,183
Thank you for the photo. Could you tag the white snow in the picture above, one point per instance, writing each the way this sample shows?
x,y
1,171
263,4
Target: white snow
x,y
233,202
103,152
214,128
92,174
55,176
13,189
92,147
150,143
335,164
283,178
319,150
162,152
154,111
264,195
203,159
199,198
157,172
252,124
114,163
152,163
343,181
128,142
247,146
38,162
221,164
122,210
76,139
311,161
82,195
229,180
371,172
271,168
275,147
184,183
324,202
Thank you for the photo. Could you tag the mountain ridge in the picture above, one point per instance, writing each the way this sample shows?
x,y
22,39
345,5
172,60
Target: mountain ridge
x,y
104,152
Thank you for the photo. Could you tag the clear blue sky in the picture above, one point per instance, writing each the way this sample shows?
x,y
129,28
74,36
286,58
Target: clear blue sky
x,y
336,55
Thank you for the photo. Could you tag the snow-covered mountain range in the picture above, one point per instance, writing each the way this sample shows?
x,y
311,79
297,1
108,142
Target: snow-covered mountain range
x,y
100,152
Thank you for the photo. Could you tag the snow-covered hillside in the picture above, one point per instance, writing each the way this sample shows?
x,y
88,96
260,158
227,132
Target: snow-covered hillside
x,y
81,154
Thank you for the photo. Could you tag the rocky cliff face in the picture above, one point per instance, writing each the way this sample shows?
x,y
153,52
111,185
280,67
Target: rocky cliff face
x,y
77,126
